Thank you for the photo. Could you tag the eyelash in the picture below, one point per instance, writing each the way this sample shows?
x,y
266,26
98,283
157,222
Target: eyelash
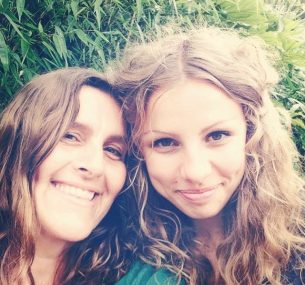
x,y
211,137
71,137
114,153
214,137
164,143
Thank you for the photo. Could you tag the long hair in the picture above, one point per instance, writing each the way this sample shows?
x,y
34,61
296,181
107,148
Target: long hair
x,y
30,127
264,219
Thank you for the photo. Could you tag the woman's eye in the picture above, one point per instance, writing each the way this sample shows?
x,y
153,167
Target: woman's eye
x,y
218,136
114,153
164,143
71,137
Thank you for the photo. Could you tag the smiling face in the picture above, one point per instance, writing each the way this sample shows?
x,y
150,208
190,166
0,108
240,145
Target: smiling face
x,y
193,144
76,184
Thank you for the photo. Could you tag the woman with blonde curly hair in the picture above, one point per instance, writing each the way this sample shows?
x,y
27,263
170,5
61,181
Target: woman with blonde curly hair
x,y
220,195
62,165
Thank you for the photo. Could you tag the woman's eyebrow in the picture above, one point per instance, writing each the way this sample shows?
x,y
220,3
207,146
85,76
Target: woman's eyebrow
x,y
117,139
213,125
87,129
82,127
156,131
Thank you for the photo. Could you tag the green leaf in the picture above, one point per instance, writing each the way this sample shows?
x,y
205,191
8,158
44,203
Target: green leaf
x,y
298,122
59,31
52,52
74,8
24,49
56,41
27,74
15,26
246,12
4,51
60,43
20,7
101,56
82,36
40,28
97,11
101,35
55,58
49,47
139,10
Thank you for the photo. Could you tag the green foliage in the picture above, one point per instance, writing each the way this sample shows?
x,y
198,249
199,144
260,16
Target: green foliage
x,y
41,35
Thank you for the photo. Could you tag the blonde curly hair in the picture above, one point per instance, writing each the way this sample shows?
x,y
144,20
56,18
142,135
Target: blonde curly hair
x,y
264,220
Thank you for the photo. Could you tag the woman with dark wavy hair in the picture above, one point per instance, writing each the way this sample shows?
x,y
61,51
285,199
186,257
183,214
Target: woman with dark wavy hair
x,y
220,193
62,152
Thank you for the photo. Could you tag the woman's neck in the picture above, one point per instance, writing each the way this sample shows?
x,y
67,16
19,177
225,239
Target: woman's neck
x,y
210,234
43,270
210,230
47,256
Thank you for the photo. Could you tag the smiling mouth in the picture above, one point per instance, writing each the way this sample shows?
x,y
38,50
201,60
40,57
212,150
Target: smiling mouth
x,y
75,191
197,194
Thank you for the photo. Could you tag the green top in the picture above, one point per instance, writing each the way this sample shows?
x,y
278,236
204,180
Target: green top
x,y
144,274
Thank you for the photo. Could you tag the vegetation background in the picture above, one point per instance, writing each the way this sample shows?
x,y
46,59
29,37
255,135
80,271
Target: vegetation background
x,y
41,35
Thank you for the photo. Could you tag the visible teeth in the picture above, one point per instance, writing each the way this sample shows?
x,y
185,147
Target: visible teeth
x,y
74,191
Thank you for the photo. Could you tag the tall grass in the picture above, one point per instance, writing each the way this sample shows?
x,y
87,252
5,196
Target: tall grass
x,y
41,35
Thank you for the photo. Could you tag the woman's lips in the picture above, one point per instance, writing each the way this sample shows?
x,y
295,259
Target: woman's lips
x,y
80,192
198,194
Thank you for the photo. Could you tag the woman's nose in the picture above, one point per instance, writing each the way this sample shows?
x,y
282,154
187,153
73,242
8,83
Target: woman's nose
x,y
195,165
91,162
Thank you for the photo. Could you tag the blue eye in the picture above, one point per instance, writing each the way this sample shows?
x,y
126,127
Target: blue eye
x,y
217,136
114,153
164,143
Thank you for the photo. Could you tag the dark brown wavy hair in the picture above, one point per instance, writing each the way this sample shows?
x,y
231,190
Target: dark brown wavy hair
x,y
30,127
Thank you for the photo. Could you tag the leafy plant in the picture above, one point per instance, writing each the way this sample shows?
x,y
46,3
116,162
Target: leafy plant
x,y
41,35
